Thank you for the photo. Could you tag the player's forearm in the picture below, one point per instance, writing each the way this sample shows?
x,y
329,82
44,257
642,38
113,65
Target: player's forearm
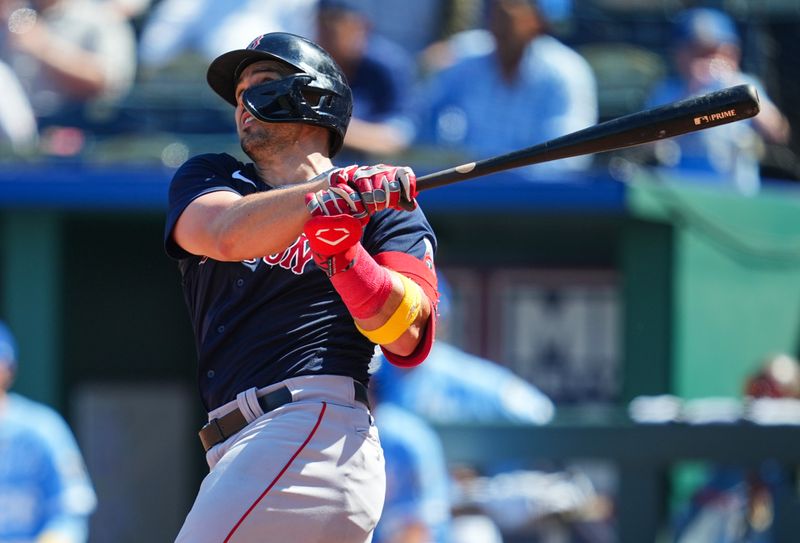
x,y
261,224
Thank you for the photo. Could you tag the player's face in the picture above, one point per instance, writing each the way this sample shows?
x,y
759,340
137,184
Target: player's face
x,y
256,135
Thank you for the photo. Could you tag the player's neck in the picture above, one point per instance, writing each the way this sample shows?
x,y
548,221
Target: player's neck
x,y
291,170
294,158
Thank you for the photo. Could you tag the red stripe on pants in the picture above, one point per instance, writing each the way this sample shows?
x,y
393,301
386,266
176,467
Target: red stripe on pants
x,y
280,474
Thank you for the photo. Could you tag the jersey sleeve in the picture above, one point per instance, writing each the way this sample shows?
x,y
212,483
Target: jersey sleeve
x,y
401,231
199,175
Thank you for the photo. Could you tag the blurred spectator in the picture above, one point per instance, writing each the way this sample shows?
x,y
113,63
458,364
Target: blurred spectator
x,y
737,503
68,52
455,386
528,89
177,29
75,59
17,122
416,24
45,492
706,55
417,506
129,9
380,73
463,31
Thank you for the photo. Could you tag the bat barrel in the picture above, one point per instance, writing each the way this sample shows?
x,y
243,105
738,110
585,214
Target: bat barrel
x,y
667,121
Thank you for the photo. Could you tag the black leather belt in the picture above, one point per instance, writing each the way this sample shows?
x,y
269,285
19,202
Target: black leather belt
x,y
218,430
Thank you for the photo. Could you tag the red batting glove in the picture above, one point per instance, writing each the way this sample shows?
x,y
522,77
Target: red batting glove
x,y
334,241
384,187
342,176
339,199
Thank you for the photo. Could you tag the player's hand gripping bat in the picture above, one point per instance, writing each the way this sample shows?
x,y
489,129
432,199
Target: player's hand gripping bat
x,y
712,109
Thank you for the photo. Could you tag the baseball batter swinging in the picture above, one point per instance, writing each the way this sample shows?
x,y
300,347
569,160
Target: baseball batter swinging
x,y
293,270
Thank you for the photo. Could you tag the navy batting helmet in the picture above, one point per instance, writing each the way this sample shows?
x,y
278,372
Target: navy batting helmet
x,y
317,93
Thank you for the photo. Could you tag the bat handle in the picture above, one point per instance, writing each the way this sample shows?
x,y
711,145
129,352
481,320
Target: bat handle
x,y
406,204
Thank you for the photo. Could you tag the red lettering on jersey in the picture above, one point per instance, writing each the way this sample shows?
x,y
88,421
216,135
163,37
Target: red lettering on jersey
x,y
293,258
274,259
299,254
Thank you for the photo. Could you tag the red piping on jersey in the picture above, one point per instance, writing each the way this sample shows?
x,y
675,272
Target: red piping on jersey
x,y
275,480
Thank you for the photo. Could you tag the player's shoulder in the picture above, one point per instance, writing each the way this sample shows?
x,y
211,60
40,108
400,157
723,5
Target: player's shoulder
x,y
216,169
221,161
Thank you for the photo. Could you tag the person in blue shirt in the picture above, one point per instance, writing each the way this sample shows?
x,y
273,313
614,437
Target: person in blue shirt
x,y
707,53
527,89
46,495
380,73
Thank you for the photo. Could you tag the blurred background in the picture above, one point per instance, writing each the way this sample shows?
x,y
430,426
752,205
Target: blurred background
x,y
651,294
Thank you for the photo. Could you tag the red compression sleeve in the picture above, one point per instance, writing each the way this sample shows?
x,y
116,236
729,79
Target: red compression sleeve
x,y
423,275
365,287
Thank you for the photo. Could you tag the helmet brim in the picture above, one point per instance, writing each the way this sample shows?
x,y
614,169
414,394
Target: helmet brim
x,y
224,71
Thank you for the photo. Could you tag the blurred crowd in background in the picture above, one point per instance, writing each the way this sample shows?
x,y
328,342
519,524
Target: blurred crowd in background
x,y
434,81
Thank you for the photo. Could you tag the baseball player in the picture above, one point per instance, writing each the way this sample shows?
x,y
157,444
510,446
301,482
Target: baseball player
x,y
293,270
46,495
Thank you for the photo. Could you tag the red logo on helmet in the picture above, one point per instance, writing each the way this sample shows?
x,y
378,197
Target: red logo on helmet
x,y
254,44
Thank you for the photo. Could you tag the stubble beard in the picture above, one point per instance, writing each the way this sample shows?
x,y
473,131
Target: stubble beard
x,y
267,140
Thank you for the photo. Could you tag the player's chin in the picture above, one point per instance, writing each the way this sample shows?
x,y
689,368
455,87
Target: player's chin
x,y
250,141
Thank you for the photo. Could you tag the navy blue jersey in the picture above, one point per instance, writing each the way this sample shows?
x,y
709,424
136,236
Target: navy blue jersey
x,y
260,321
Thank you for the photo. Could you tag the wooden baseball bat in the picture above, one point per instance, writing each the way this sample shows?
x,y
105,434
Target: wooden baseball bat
x,y
681,117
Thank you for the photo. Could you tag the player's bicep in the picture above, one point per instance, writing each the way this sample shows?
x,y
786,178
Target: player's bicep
x,y
197,230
